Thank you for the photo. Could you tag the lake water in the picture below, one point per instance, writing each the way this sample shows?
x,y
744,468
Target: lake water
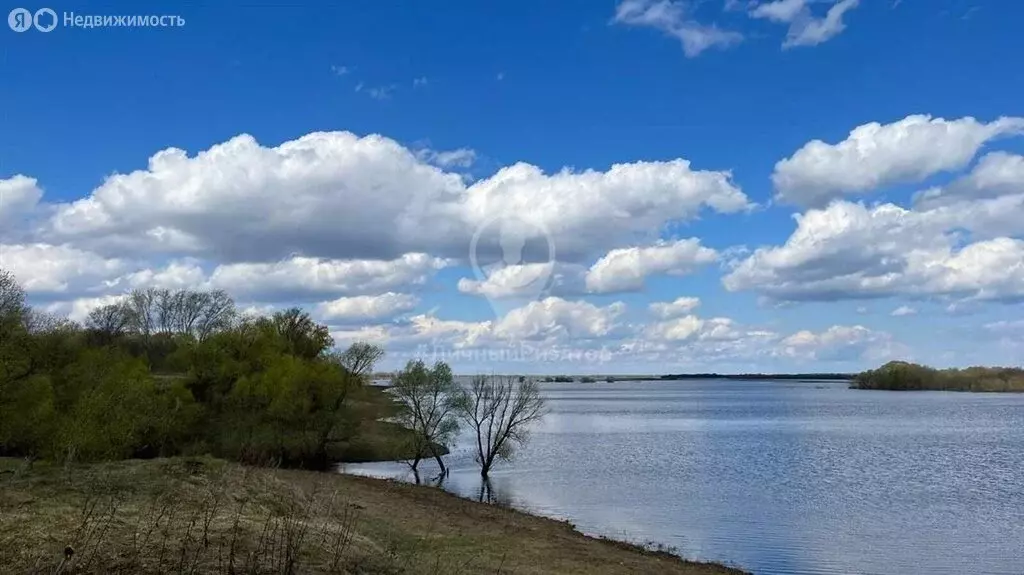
x,y
796,478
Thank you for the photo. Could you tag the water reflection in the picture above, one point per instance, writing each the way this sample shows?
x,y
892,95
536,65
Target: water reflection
x,y
466,481
777,478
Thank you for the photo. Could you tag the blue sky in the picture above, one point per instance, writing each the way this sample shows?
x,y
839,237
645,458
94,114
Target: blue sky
x,y
582,85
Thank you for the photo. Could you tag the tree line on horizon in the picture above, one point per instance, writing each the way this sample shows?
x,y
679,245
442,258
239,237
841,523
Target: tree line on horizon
x,y
906,376
756,376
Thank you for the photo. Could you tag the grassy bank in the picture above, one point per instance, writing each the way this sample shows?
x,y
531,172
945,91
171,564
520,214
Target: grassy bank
x,y
904,376
375,438
203,515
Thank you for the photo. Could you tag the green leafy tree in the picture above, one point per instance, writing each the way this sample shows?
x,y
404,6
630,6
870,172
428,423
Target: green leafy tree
x,y
291,411
263,390
27,416
428,408
110,407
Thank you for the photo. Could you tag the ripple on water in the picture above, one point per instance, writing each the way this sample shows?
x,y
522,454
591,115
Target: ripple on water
x,y
779,478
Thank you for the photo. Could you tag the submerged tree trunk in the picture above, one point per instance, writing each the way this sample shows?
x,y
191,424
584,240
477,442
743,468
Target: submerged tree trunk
x,y
486,494
414,464
440,462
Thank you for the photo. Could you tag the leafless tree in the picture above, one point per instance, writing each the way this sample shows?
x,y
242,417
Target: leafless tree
x,y
500,410
188,307
39,322
216,312
12,296
145,313
110,321
16,359
428,400
186,312
359,359
168,310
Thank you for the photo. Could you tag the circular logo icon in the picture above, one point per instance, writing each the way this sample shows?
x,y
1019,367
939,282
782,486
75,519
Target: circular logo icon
x,y
507,273
19,19
44,23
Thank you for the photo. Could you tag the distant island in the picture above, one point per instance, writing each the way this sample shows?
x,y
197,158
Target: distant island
x,y
689,376
905,376
894,376
764,376
694,376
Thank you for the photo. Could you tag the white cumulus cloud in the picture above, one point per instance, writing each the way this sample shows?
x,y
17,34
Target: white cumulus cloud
x,y
45,268
366,308
299,276
875,155
19,195
841,344
680,306
558,318
625,269
849,251
336,195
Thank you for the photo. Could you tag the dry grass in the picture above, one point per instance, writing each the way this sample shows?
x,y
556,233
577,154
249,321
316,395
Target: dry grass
x,y
202,516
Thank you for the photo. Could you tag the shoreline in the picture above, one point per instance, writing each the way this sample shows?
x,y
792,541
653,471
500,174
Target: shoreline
x,y
200,513
650,548
645,547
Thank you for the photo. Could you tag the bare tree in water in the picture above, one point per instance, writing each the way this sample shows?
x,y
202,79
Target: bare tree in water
x,y
500,410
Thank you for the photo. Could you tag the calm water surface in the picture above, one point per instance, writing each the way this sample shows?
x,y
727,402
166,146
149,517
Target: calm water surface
x,y
776,477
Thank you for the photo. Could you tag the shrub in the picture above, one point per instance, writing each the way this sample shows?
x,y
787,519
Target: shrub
x,y
904,376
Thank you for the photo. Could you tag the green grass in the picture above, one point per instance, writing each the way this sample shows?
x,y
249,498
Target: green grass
x,y
375,439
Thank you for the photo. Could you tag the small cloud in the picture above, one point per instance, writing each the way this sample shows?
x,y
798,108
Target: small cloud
x,y
340,70
674,18
963,307
903,310
378,92
460,158
501,76
805,29
1015,326
862,310
418,82
736,251
381,92
896,3
970,12
769,303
